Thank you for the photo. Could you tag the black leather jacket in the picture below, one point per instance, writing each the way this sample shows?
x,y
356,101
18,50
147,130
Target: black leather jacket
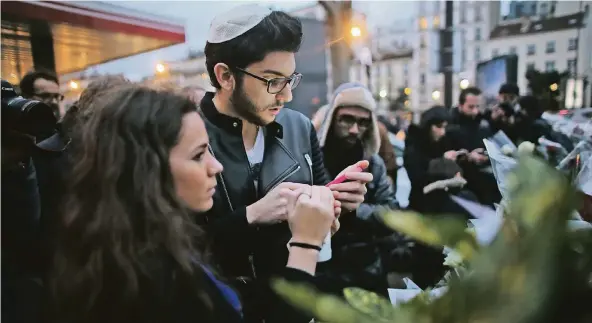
x,y
292,154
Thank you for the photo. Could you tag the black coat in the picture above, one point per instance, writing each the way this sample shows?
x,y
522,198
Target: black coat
x,y
247,253
466,133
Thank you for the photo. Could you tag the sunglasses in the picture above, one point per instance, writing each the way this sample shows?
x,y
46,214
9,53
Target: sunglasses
x,y
276,85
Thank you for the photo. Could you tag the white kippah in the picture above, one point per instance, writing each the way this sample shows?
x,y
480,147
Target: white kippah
x,y
235,22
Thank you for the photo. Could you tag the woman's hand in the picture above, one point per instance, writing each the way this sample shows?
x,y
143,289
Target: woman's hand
x,y
312,216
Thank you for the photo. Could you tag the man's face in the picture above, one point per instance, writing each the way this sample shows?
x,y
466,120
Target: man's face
x,y
251,99
350,124
471,106
438,131
507,98
48,92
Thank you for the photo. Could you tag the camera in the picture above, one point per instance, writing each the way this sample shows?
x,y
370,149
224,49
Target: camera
x,y
25,118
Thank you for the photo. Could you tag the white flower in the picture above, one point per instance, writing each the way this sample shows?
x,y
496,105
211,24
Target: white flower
x,y
454,259
507,150
526,147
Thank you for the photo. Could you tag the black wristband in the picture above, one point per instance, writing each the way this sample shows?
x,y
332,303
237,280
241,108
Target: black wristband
x,y
304,245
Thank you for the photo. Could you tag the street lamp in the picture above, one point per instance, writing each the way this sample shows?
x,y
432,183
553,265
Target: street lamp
x,y
436,95
407,91
382,93
464,83
160,68
553,87
73,85
356,31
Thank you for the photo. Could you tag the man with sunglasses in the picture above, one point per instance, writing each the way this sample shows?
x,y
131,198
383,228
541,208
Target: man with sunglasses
x,y
266,150
350,133
43,85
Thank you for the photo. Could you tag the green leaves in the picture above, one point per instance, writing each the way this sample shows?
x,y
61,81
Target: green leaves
x,y
524,276
434,230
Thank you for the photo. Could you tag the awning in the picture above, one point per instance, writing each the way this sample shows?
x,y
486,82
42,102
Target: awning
x,y
84,34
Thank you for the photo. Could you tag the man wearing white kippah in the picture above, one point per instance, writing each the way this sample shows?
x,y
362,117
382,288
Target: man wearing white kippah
x,y
267,152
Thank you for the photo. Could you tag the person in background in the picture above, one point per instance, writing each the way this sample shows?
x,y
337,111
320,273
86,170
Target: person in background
x,y
466,130
43,85
348,134
265,149
509,93
194,93
530,126
425,142
83,107
385,150
128,249
319,116
501,117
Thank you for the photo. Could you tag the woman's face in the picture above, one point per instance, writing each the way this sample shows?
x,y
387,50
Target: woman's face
x,y
194,169
438,131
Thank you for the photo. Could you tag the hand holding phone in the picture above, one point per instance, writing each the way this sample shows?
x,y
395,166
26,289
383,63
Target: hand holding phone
x,y
341,178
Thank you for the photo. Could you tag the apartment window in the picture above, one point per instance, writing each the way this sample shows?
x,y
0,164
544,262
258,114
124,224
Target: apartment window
x,y
477,33
572,44
571,66
477,54
494,53
422,79
463,11
513,50
549,66
436,22
530,50
550,47
478,16
544,10
530,66
423,23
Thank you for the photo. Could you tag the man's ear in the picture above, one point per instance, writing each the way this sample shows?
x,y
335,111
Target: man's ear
x,y
224,76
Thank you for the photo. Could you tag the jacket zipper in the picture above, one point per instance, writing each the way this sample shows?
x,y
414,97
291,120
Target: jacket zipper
x,y
222,182
309,161
281,179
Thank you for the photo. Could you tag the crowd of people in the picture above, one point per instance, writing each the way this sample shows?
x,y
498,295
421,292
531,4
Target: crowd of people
x,y
171,205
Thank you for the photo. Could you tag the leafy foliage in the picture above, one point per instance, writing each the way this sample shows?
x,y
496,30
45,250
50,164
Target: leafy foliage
x,y
533,271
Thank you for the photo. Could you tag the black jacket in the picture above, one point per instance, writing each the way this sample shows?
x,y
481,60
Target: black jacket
x,y
466,133
292,154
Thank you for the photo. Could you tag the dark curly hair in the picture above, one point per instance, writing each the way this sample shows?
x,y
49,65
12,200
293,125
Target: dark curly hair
x,y
122,221
277,32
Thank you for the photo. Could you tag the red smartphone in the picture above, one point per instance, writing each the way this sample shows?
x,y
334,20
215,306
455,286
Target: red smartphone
x,y
341,178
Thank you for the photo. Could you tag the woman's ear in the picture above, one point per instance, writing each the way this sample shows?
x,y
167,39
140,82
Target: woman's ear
x,y
224,76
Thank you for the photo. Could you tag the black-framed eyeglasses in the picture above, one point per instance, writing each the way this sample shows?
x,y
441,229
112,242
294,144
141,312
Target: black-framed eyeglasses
x,y
276,85
348,121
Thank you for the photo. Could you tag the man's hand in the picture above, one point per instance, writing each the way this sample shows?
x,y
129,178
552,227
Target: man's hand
x,y
451,155
351,193
477,156
274,206
497,113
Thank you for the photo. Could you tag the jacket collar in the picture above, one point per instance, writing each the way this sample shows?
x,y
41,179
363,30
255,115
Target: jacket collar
x,y
231,124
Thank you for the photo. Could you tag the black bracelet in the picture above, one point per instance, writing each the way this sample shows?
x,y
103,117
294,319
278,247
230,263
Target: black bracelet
x,y
304,245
